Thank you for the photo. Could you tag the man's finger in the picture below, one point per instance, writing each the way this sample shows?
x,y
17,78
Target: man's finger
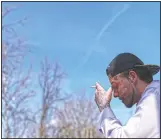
x,y
99,87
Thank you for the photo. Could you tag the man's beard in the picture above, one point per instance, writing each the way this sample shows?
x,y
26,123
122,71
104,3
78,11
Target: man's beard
x,y
129,105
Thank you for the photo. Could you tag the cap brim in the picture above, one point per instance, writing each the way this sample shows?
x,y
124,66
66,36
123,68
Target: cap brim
x,y
154,69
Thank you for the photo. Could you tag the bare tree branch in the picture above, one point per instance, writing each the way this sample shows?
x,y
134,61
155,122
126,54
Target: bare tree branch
x,y
50,80
16,90
8,10
77,119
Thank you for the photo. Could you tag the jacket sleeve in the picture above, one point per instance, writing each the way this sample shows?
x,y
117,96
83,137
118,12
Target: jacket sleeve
x,y
140,124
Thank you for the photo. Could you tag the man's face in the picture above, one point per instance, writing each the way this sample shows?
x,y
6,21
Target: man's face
x,y
123,88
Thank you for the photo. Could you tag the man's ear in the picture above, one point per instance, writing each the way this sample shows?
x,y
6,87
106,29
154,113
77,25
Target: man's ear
x,y
132,76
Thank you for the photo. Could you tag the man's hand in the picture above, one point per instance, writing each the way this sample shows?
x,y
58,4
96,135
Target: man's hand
x,y
102,97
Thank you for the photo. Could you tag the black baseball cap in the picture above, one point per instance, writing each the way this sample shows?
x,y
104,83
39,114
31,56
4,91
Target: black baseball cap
x,y
127,61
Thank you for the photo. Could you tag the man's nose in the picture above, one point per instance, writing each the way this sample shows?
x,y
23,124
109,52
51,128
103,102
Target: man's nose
x,y
116,94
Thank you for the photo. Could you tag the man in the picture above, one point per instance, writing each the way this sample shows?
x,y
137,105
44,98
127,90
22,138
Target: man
x,y
133,83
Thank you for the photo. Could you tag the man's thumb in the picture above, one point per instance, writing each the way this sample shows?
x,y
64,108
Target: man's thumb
x,y
109,92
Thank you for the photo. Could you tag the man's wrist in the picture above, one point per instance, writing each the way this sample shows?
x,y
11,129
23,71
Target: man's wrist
x,y
101,108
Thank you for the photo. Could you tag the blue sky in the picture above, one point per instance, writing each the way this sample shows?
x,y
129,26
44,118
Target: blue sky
x,y
68,32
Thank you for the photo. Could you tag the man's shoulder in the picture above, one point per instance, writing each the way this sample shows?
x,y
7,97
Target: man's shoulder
x,y
153,87
152,92
150,101
155,84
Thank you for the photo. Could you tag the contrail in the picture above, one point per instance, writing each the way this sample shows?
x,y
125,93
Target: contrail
x,y
107,25
124,9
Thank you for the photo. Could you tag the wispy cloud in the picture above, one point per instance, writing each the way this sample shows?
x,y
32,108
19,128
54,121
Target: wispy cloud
x,y
112,20
104,28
